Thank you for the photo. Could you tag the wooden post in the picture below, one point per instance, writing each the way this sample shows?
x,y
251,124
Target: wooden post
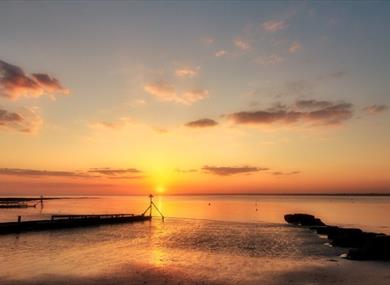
x,y
19,219
151,203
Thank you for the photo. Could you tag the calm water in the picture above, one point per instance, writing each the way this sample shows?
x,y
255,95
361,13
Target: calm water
x,y
205,239
370,213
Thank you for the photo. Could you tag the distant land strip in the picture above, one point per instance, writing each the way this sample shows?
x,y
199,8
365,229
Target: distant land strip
x,y
26,199
281,194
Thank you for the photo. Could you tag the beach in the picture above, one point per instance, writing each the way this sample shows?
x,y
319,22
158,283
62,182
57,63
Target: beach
x,y
343,272
190,250
194,142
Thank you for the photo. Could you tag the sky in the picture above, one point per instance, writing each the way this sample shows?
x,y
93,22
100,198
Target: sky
x,y
122,98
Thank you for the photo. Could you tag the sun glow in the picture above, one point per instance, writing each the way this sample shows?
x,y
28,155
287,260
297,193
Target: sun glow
x,y
160,189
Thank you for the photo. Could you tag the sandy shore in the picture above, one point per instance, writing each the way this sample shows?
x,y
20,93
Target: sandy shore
x,y
333,271
182,252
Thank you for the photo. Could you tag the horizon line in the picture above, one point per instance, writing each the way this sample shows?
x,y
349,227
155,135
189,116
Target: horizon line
x,y
365,194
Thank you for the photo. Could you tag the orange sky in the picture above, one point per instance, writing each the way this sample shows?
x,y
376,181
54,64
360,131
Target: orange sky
x,y
251,98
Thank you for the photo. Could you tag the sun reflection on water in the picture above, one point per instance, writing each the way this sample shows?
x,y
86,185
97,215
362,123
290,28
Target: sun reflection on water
x,y
158,257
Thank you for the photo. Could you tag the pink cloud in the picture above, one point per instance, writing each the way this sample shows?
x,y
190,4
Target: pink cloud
x,y
220,53
167,92
280,173
194,95
295,46
309,111
15,83
161,90
202,123
187,71
112,125
227,170
270,59
93,173
243,45
26,120
375,109
274,25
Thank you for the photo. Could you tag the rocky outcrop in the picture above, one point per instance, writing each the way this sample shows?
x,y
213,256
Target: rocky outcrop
x,y
375,248
303,220
363,245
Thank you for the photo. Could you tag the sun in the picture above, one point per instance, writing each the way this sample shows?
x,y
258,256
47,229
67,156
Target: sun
x,y
160,189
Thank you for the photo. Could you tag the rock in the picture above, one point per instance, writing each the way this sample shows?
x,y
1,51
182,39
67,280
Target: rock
x,y
303,220
364,245
318,222
351,237
296,218
346,237
326,230
343,232
374,248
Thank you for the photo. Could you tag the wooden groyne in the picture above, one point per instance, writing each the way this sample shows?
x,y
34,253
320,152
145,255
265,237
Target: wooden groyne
x,y
20,202
73,221
362,245
69,221
15,205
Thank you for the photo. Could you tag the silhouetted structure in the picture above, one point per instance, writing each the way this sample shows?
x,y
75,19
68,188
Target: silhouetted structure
x,y
151,207
73,221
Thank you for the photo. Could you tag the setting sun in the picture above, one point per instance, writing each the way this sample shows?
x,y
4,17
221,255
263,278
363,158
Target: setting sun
x,y
160,189
194,142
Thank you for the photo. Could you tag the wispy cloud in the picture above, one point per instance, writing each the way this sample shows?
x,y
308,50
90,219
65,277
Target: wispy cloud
x,y
208,40
294,88
269,59
161,130
220,53
15,83
298,88
332,75
226,170
280,173
162,90
193,95
187,71
40,173
312,104
127,173
310,111
202,123
185,170
137,102
375,109
26,120
166,92
264,117
294,47
112,125
241,44
274,25
7,118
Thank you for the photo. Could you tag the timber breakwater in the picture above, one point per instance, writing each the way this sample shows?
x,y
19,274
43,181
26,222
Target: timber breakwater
x,y
69,221
361,245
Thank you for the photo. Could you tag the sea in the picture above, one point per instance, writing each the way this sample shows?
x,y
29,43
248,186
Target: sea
x,y
209,239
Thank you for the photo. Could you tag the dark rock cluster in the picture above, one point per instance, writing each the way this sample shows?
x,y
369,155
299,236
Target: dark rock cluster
x,y
362,245
303,220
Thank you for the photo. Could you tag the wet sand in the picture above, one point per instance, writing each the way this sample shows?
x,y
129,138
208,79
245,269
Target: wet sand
x,y
185,251
331,272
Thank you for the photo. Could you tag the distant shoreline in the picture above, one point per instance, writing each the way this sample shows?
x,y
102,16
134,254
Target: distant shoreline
x,y
289,194
22,198
27,199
